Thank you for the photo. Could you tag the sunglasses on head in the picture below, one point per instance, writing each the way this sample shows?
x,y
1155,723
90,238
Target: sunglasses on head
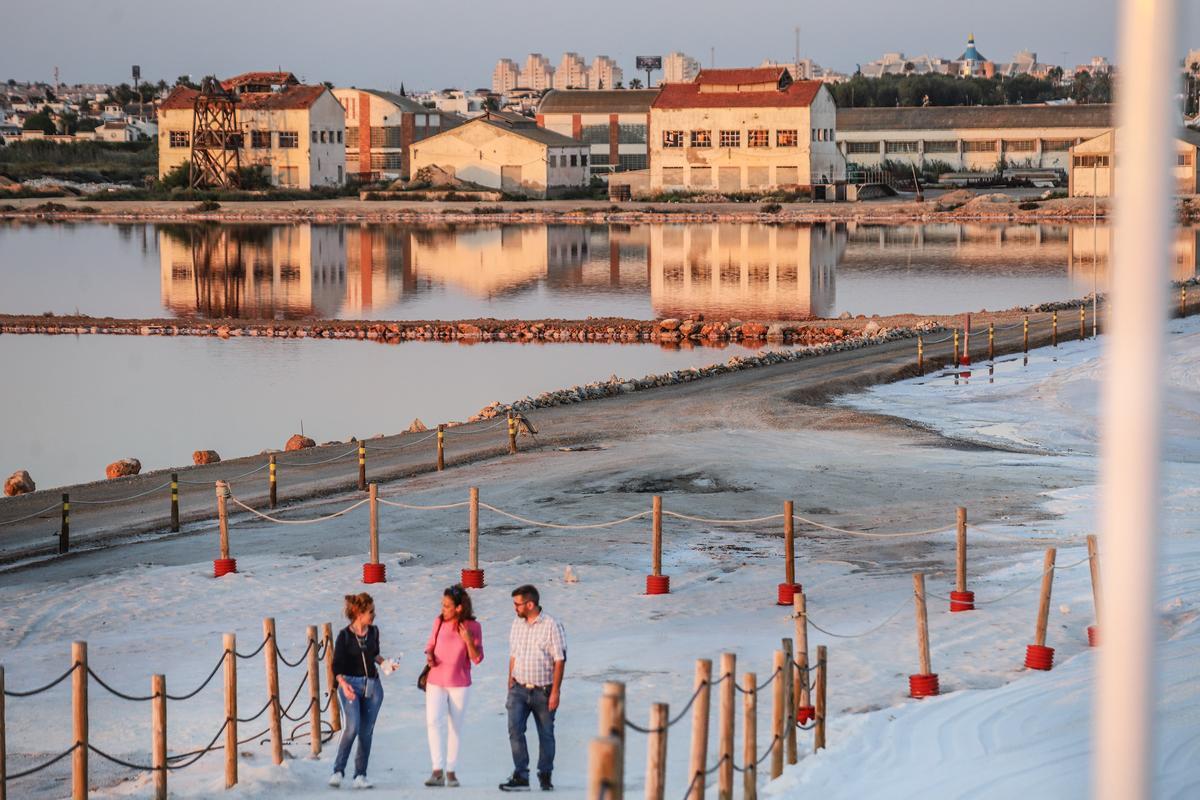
x,y
456,593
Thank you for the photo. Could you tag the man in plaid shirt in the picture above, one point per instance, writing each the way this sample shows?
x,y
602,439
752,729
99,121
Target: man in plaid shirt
x,y
537,655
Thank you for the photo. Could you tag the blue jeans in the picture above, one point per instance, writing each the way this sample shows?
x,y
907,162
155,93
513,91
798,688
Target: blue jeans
x,y
358,720
521,703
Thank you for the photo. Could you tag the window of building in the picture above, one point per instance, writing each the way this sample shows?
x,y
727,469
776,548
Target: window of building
x,y
1090,161
628,161
339,135
1183,159
1056,145
700,176
260,140
574,160
701,138
594,134
326,137
758,138
631,133
787,138
180,139
234,142
1019,145
352,137
672,138
731,139
420,120
787,176
902,147
831,136
600,159
941,145
314,137
389,161
289,139
979,146
672,176
862,147
583,160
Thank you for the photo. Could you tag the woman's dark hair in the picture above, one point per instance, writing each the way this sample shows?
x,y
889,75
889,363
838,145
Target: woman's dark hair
x,y
458,595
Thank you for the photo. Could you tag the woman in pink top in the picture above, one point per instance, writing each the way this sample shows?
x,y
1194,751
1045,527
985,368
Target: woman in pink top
x,y
455,643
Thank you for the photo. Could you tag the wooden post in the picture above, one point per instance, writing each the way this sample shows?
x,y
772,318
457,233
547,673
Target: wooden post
x,y
777,733
656,752
789,543
656,537
158,734
223,517
441,447
955,348
229,643
991,341
271,659
800,604
174,502
1081,318
1025,345
1044,602
726,727
362,465
920,356
64,532
314,687
612,721
274,482
335,710
822,673
1054,328
789,704
922,622
374,495
699,754
79,714
4,744
602,760
960,571
473,542
749,736
1094,563
1183,301
512,433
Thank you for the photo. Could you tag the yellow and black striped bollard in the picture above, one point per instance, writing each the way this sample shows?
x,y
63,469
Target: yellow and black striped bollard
x,y
64,532
1054,328
362,465
991,341
273,482
174,502
1025,345
1081,323
441,447
920,356
512,433
955,363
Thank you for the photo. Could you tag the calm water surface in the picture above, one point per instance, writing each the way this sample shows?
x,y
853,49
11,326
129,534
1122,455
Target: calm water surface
x,y
446,271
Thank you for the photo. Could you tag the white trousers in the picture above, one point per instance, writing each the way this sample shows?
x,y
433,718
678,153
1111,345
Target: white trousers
x,y
442,702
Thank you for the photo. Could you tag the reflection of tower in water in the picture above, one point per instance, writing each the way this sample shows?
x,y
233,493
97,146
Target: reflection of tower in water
x,y
748,271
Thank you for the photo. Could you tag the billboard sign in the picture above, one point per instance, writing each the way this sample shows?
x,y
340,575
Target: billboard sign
x,y
646,63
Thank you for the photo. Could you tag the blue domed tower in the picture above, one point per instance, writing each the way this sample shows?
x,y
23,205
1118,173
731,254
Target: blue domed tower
x,y
972,62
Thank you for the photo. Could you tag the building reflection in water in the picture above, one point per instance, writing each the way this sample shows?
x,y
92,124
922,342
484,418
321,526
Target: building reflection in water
x,y
745,270
1092,244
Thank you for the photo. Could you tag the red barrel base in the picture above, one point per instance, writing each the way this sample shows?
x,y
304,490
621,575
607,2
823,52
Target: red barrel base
x,y
374,573
962,601
805,714
1039,657
472,578
224,566
1093,635
658,584
923,685
787,592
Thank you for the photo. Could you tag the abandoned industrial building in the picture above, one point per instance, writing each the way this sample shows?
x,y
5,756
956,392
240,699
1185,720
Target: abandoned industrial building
x,y
381,127
294,132
1095,171
613,123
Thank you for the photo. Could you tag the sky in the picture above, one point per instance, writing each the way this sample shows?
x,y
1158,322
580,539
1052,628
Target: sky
x,y
426,45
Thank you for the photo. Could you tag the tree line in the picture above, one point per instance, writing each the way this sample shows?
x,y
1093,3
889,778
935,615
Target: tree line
x,y
948,90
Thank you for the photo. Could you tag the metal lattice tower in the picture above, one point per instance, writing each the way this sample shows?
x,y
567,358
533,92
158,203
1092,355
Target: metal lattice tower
x,y
216,139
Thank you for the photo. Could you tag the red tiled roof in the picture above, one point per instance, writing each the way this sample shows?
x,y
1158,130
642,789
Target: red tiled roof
x,y
688,95
732,77
273,78
292,97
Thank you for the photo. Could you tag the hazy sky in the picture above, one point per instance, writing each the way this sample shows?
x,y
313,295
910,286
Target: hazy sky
x,y
431,44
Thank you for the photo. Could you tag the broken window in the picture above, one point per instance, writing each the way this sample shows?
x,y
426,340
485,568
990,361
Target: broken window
x,y
180,138
758,138
260,139
289,139
787,138
731,138
701,138
672,138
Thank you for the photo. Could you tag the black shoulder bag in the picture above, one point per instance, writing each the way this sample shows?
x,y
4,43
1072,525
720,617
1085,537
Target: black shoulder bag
x,y
423,678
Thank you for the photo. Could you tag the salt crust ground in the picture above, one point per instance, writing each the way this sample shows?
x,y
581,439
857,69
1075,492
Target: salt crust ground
x,y
998,732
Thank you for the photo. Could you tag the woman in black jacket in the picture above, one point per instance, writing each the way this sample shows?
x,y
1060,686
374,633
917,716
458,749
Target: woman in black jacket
x,y
355,661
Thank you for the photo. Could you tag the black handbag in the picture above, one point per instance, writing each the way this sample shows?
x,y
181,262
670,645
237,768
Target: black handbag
x,y
423,678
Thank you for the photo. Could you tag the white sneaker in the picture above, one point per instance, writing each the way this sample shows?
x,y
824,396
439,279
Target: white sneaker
x,y
335,780
361,782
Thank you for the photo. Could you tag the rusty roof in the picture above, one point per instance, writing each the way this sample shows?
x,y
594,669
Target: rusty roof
x,y
255,78
292,97
597,101
951,117
735,77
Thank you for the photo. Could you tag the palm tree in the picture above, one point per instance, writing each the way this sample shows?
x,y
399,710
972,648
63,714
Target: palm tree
x,y
635,83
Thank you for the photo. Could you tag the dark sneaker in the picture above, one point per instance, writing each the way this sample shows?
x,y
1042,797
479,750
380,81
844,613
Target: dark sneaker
x,y
544,781
515,784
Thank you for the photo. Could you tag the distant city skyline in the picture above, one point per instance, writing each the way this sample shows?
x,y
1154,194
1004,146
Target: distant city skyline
x,y
435,46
